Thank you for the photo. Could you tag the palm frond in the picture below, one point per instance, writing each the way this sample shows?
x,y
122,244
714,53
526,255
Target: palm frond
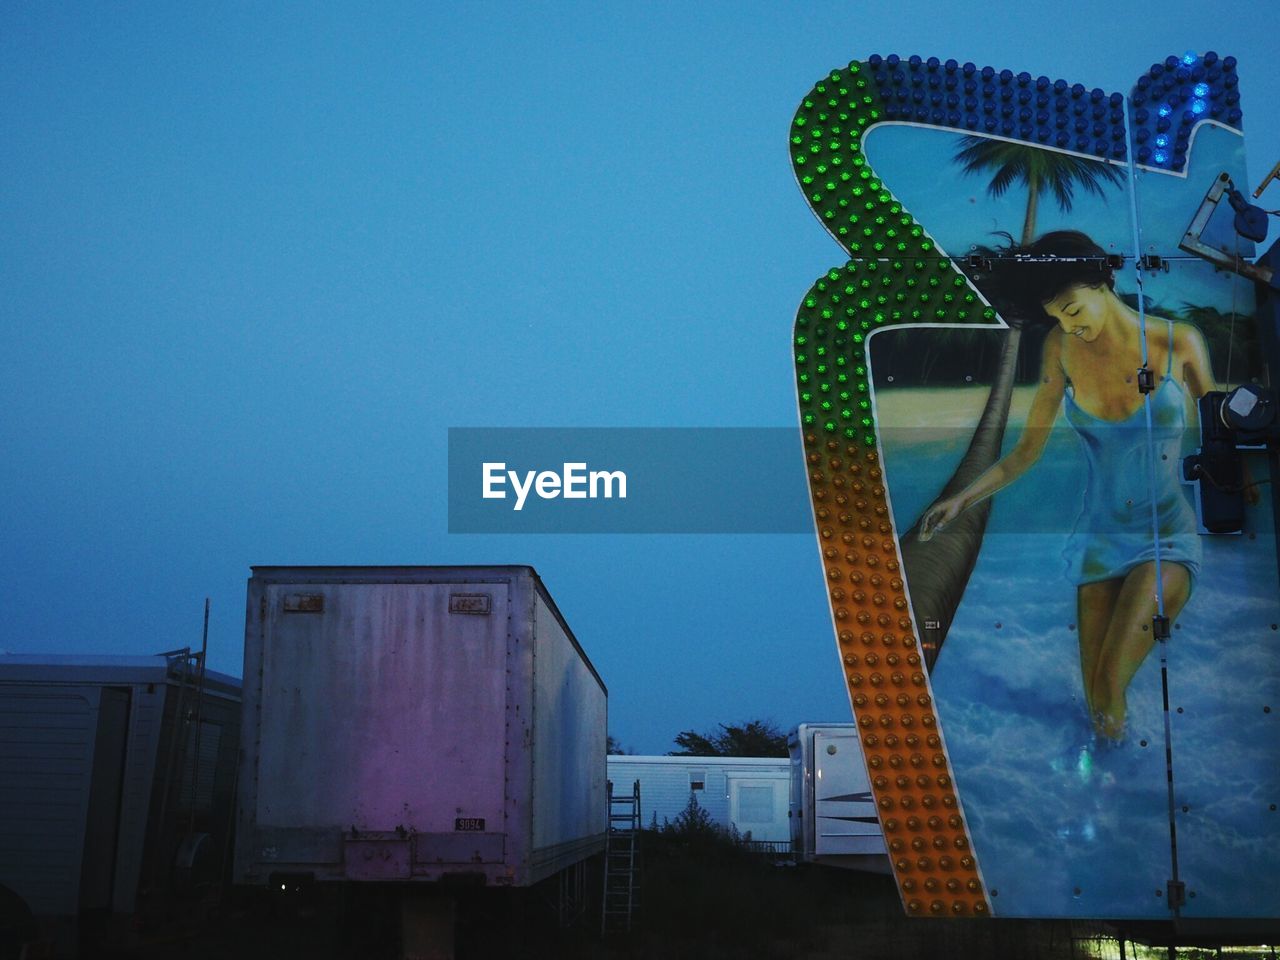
x,y
1011,163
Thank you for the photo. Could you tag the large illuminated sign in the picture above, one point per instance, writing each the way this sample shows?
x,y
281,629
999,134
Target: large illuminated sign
x,y
996,392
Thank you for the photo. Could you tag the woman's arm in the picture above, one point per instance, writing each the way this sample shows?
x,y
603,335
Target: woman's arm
x,y
1030,445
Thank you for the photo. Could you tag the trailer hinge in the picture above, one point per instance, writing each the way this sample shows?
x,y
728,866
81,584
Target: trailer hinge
x,y
1153,261
1146,379
1176,891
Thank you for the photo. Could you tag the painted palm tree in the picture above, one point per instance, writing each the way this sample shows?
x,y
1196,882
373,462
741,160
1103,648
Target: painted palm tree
x,y
938,571
1039,170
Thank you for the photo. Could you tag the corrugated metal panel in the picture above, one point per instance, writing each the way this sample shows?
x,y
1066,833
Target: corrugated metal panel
x,y
569,739
46,759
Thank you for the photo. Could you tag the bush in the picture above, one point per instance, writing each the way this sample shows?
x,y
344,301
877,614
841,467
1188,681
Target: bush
x,y
694,831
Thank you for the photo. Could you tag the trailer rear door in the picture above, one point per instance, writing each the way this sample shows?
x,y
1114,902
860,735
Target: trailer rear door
x,y
384,707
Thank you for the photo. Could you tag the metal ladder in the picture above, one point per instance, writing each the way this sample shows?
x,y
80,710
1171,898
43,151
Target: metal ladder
x,y
620,859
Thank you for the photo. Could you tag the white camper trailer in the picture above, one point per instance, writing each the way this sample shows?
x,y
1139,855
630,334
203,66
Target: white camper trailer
x,y
833,813
748,794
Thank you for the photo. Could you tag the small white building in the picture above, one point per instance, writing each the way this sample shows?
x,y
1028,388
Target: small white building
x,y
747,793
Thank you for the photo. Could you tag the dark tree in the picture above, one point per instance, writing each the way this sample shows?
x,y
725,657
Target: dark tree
x,y
755,738
613,747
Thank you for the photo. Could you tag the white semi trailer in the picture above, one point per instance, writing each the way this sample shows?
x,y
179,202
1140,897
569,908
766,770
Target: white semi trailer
x,y
416,724
833,813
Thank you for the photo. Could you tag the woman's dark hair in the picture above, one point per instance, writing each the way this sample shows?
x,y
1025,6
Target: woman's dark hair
x,y
1019,280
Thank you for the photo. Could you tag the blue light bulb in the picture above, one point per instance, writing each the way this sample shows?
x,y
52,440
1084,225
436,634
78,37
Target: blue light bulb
x,y
1198,107
1189,57
1201,89
1165,110
1161,157
1162,140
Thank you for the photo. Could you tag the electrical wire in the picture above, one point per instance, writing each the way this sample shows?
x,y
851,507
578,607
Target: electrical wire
x,y
1198,470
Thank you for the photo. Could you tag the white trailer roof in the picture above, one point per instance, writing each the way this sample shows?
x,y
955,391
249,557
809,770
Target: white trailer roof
x,y
681,760
100,668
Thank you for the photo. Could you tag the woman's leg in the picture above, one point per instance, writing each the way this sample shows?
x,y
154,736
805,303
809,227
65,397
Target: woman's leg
x,y
1095,603
1129,638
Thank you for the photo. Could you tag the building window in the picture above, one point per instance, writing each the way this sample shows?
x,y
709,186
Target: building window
x,y
697,779
755,804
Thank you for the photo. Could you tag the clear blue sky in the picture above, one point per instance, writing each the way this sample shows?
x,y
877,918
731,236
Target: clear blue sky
x,y
255,259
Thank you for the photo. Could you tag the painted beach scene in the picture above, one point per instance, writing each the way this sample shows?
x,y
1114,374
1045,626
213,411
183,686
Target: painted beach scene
x,y
1045,520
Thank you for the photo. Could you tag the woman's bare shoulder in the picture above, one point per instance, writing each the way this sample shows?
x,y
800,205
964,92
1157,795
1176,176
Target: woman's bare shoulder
x,y
1053,340
1051,358
1186,337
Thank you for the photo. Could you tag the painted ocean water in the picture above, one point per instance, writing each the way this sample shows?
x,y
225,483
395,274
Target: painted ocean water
x,y
1062,825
